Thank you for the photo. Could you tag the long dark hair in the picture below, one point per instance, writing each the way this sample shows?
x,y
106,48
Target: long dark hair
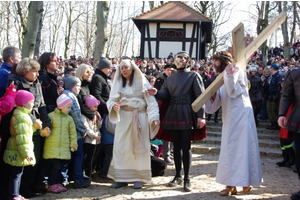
x,y
131,79
225,58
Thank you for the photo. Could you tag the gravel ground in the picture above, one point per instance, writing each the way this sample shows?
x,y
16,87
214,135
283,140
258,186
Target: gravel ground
x,y
278,184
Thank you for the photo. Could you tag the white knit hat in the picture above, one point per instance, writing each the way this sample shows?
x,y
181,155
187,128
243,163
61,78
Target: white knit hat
x,y
63,100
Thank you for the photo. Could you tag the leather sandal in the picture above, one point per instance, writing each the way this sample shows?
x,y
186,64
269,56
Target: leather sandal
x,y
247,189
229,190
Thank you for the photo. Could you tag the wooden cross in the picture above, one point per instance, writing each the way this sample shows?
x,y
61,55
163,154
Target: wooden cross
x,y
240,55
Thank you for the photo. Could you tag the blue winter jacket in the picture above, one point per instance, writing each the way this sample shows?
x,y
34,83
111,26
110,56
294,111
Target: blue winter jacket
x,y
4,72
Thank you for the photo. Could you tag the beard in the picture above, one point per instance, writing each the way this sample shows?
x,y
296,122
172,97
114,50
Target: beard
x,y
219,68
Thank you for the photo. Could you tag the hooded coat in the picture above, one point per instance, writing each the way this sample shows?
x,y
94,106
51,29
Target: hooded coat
x,y
63,136
20,144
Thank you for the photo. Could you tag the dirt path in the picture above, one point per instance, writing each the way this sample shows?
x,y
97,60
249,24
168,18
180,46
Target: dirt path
x,y
279,184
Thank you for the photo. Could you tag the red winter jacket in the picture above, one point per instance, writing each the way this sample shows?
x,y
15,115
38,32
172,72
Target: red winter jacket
x,y
284,133
7,103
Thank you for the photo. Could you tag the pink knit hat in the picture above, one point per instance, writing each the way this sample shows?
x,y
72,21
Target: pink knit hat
x,y
22,97
91,101
63,100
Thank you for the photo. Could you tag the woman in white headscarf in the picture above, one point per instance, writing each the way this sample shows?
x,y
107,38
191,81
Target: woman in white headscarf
x,y
136,116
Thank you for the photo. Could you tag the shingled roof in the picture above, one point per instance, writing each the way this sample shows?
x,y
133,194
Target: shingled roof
x,y
173,11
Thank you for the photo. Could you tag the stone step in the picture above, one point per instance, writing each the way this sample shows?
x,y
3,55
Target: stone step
x,y
202,148
269,144
262,142
265,136
262,123
216,128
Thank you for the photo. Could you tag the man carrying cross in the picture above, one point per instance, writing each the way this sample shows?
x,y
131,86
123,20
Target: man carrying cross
x,y
239,161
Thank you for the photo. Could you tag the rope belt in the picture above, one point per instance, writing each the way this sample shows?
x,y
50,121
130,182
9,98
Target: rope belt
x,y
138,145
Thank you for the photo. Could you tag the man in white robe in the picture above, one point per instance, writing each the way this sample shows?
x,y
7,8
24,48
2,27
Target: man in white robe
x,y
239,161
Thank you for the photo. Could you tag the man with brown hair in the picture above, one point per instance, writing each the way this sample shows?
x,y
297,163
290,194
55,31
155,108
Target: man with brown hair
x,y
11,57
239,161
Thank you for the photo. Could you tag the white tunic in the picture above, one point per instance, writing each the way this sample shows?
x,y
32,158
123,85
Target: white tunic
x,y
239,161
131,162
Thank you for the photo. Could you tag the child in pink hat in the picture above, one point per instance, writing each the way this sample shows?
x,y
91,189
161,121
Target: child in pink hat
x,y
92,138
19,149
60,143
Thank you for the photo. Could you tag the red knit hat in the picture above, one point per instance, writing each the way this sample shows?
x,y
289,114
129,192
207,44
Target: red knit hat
x,y
22,97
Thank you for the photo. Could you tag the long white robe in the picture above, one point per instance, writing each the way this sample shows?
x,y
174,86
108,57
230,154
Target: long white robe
x,y
239,161
127,164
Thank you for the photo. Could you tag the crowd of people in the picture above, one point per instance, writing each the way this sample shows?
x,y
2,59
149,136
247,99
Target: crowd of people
x,y
70,112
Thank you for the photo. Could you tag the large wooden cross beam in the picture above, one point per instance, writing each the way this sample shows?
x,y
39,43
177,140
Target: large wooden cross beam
x,y
240,55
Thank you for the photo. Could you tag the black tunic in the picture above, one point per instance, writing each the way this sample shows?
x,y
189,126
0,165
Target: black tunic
x,y
181,89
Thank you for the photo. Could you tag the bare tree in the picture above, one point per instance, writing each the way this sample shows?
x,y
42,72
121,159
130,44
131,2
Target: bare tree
x,y
143,7
101,29
87,29
55,18
284,29
38,36
216,10
72,8
21,19
264,11
111,33
31,28
7,5
294,22
151,4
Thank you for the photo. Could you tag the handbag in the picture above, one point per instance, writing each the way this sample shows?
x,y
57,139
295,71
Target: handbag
x,y
110,127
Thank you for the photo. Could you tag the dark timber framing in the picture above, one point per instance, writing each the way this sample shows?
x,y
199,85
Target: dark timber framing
x,y
194,32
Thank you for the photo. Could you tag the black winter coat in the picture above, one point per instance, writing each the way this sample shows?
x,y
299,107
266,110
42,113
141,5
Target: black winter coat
x,y
84,92
39,108
255,89
49,88
99,88
160,81
289,93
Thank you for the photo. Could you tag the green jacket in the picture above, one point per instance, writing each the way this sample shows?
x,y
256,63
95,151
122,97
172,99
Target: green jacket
x,y
20,144
63,136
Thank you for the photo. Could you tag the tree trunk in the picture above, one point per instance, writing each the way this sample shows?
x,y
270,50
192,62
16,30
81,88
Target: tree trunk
x,y
30,34
143,7
262,23
68,34
38,37
8,24
151,4
284,30
294,22
101,29
264,47
76,38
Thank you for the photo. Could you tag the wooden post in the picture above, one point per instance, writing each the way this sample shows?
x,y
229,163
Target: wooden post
x,y
240,54
239,46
